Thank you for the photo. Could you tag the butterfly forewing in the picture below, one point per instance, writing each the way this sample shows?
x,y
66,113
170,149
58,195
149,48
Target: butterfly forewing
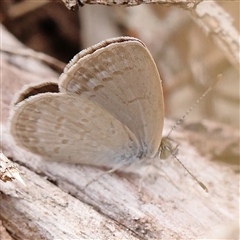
x,y
121,76
71,128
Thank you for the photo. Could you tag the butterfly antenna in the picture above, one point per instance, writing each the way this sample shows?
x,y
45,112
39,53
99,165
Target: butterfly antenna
x,y
219,77
199,182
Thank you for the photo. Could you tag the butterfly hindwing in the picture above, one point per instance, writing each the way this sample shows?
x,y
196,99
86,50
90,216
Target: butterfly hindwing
x,y
70,128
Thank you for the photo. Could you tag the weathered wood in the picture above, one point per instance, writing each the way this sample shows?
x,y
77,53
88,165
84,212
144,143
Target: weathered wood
x,y
8,171
186,4
217,23
56,205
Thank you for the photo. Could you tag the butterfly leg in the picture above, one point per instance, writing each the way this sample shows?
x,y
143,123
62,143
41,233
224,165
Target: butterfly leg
x,y
100,175
164,174
149,171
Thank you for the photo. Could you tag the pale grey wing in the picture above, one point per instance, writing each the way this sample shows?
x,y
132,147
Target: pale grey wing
x,y
121,76
69,128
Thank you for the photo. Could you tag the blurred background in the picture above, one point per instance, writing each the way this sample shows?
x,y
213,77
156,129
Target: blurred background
x,y
188,59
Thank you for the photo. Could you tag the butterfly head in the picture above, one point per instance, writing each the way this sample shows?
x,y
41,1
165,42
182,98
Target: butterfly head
x,y
166,148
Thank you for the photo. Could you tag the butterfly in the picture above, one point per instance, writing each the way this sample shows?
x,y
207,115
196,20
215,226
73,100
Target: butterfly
x,y
106,110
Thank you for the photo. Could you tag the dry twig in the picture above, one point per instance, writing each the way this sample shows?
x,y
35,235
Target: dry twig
x,y
186,4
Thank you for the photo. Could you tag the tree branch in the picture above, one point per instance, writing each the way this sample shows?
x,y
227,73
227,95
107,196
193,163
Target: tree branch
x,y
217,23
185,4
